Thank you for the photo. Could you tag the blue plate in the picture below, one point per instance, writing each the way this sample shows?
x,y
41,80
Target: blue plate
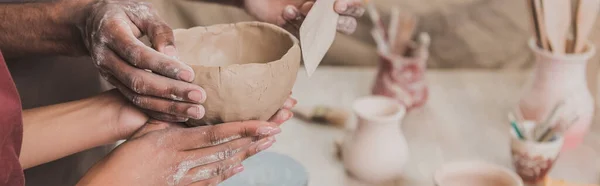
x,y
269,169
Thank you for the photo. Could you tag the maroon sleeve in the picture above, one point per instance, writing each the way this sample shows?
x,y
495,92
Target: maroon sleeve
x,y
11,130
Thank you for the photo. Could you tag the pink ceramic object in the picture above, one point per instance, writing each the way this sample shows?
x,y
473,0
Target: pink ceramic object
x,y
403,79
534,160
560,77
475,173
376,151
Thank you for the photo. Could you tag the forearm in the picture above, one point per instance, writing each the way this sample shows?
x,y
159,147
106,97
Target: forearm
x,y
56,131
41,28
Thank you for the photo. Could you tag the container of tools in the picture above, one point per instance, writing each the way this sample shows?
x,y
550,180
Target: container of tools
x,y
403,59
536,145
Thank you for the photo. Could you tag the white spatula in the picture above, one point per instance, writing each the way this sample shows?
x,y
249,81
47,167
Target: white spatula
x,y
317,33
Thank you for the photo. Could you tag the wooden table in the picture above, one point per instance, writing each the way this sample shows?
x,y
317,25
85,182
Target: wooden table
x,y
464,119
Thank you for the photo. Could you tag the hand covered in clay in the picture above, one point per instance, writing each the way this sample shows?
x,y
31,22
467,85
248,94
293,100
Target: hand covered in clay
x,y
167,154
290,13
110,32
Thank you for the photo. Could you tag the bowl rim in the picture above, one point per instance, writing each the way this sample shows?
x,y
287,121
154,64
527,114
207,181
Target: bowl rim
x,y
295,42
475,165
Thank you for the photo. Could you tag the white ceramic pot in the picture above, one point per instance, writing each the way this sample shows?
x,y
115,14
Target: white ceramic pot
x,y
560,77
376,151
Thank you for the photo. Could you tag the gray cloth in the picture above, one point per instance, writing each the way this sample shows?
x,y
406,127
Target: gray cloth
x,y
50,80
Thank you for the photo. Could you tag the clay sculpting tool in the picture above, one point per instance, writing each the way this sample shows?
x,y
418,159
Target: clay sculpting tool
x,y
393,27
586,14
375,18
547,123
534,22
408,24
513,124
557,16
539,17
323,114
382,46
552,132
317,33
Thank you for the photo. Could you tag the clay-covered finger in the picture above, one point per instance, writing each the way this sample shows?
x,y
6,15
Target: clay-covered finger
x,y
281,116
346,24
222,152
150,84
159,108
208,136
136,53
219,171
211,175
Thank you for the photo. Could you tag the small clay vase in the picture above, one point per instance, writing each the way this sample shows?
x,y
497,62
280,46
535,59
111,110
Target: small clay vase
x,y
403,77
559,78
247,69
376,151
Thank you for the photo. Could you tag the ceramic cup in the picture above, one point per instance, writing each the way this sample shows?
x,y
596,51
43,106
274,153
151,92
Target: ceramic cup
x,y
475,173
533,160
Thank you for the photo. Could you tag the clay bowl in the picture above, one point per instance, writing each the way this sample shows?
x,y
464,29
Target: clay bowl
x,y
248,69
475,173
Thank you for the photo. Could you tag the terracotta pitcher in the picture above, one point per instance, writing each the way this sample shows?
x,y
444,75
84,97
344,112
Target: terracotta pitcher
x,y
559,78
376,151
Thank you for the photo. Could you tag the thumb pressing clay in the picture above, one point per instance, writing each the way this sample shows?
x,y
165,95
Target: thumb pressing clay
x,y
317,33
247,69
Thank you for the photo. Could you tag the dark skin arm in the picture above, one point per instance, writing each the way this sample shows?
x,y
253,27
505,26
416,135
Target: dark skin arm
x,y
108,31
38,28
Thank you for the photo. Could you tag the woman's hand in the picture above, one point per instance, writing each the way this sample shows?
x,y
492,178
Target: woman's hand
x,y
167,154
290,13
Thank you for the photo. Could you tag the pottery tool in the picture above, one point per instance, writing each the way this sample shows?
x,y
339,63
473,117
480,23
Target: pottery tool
x,y
323,114
546,125
541,25
380,40
586,13
557,16
375,18
407,25
515,127
533,21
317,33
393,27
551,132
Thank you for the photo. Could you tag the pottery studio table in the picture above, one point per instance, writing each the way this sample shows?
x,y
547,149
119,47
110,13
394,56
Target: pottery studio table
x,y
464,119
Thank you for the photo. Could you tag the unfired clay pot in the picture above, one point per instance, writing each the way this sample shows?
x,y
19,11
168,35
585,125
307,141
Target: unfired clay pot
x,y
556,78
248,69
377,151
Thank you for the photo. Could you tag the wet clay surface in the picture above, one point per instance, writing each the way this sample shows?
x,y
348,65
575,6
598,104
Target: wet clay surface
x,y
247,69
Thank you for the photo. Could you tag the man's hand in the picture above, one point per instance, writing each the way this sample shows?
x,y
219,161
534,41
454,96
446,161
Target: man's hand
x,y
110,33
290,13
167,154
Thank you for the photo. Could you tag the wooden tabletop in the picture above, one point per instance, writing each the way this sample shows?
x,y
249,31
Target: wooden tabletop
x,y
464,119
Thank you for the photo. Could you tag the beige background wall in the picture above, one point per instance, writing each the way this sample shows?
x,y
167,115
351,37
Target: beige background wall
x,y
487,34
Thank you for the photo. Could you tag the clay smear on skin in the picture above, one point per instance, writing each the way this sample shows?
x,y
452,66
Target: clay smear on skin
x,y
185,166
